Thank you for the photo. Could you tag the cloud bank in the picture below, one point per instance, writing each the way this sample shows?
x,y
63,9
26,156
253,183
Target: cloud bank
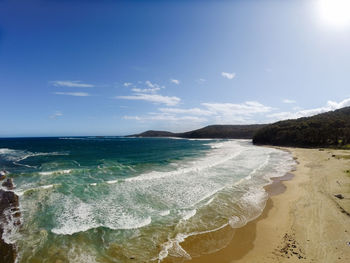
x,y
331,105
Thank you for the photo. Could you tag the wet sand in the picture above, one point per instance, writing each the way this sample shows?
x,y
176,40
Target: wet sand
x,y
303,220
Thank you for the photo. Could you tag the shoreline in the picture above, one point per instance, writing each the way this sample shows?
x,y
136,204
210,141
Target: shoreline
x,y
306,217
303,219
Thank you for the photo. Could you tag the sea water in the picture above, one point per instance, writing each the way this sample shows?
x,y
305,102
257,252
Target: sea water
x,y
114,199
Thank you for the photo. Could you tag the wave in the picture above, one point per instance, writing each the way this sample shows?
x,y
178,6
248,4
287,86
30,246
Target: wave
x,y
254,201
188,214
71,226
21,192
194,196
221,153
164,213
112,181
16,156
66,171
198,186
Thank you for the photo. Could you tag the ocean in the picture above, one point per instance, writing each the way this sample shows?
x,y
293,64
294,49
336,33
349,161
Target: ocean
x,y
115,199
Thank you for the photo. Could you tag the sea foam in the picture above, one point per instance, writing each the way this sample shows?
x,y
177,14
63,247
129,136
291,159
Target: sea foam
x,y
220,187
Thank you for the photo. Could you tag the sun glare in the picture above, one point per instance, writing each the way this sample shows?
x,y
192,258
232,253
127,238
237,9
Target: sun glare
x,y
335,12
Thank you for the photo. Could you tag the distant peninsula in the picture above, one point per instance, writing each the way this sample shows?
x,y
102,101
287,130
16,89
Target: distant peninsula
x,y
209,132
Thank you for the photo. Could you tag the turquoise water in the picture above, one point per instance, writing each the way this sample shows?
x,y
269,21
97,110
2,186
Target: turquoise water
x,y
112,199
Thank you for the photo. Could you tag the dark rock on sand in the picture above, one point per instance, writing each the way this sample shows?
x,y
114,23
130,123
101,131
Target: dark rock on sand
x,y
340,196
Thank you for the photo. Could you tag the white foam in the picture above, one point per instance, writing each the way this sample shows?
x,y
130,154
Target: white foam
x,y
253,200
49,186
164,213
66,171
188,214
172,246
16,156
10,225
221,153
20,192
174,243
189,187
3,173
78,216
112,181
73,226
209,201
11,155
137,224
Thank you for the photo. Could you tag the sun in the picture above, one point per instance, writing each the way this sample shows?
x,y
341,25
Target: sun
x,y
335,12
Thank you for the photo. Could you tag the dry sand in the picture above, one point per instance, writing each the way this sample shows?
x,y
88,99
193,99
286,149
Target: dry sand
x,y
303,220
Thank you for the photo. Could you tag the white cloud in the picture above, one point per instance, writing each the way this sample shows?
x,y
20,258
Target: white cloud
x,y
155,98
228,75
247,108
289,101
193,111
137,118
175,81
165,117
334,105
56,115
331,105
201,80
240,113
76,94
221,113
151,90
127,84
71,84
151,85
228,113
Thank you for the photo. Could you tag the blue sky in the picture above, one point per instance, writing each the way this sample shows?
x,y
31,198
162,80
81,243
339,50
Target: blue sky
x,y
118,67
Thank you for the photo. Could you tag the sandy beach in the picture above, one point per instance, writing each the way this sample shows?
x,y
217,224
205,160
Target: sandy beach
x,y
303,221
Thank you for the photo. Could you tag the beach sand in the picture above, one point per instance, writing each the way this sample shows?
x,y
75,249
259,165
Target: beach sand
x,y
303,220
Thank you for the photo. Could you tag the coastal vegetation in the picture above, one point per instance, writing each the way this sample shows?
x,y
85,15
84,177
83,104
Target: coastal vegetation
x,y
330,129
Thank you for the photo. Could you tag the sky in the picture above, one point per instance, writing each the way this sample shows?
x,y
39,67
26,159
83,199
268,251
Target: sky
x,y
103,67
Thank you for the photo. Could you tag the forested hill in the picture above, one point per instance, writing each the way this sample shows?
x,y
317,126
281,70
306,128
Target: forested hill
x,y
224,131
210,132
330,129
